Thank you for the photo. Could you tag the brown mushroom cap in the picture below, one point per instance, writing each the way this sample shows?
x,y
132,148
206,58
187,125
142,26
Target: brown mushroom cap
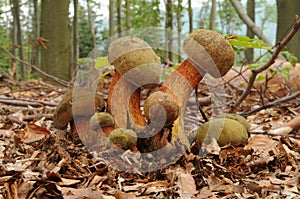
x,y
160,107
206,48
225,130
135,60
236,117
123,138
101,119
77,102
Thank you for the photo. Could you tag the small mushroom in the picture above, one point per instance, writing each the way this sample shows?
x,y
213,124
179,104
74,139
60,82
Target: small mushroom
x,y
123,138
76,103
160,107
136,65
205,49
226,131
102,120
76,108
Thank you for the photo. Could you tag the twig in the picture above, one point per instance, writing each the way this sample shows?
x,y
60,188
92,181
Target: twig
x,y
274,134
199,105
24,102
60,81
281,45
268,105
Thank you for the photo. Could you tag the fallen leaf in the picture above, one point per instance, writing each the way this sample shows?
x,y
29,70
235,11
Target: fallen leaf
x,y
34,133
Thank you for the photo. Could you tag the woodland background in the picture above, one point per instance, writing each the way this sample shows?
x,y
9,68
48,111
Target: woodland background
x,y
44,41
56,35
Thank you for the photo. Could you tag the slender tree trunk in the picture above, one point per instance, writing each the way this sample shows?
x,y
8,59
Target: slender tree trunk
x,y
36,33
179,27
251,13
212,17
111,18
169,28
91,22
18,31
190,11
127,14
119,15
246,19
287,11
75,45
55,59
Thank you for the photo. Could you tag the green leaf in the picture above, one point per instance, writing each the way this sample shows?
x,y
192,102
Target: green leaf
x,y
260,78
253,66
290,57
285,72
100,62
246,42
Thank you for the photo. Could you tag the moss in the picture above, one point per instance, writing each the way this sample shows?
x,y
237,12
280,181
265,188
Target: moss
x,y
123,138
224,130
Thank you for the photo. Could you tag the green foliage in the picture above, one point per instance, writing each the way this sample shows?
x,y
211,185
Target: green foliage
x,y
290,57
100,62
241,42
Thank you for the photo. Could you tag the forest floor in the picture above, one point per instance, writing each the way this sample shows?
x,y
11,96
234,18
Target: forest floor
x,y
38,161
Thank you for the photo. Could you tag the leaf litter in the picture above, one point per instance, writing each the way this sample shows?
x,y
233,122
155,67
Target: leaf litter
x,y
39,161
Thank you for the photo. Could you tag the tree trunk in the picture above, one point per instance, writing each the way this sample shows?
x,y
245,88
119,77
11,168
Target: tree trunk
x,y
179,28
55,59
251,13
111,18
119,15
36,33
19,37
91,22
190,11
127,15
287,11
212,17
169,28
246,19
75,45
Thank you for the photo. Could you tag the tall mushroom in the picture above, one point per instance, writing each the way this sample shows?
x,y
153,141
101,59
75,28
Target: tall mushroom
x,y
136,65
208,52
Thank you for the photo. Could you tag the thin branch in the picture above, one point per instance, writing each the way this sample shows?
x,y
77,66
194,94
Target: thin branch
x,y
60,81
248,21
280,46
274,134
26,102
274,103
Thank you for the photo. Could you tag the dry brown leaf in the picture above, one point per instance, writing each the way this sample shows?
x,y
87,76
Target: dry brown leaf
x,y
34,133
71,193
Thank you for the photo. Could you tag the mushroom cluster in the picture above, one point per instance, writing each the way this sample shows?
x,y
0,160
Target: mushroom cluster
x,y
136,67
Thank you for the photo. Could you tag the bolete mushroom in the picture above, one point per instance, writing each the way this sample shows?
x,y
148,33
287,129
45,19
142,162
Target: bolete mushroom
x,y
208,52
136,65
78,104
123,138
102,120
225,130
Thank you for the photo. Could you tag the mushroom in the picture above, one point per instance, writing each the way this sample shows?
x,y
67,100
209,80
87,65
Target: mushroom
x,y
123,138
208,52
76,108
136,65
225,130
102,120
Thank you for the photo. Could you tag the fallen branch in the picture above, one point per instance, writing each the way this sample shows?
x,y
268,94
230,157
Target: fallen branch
x,y
255,72
274,103
274,134
56,79
25,102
